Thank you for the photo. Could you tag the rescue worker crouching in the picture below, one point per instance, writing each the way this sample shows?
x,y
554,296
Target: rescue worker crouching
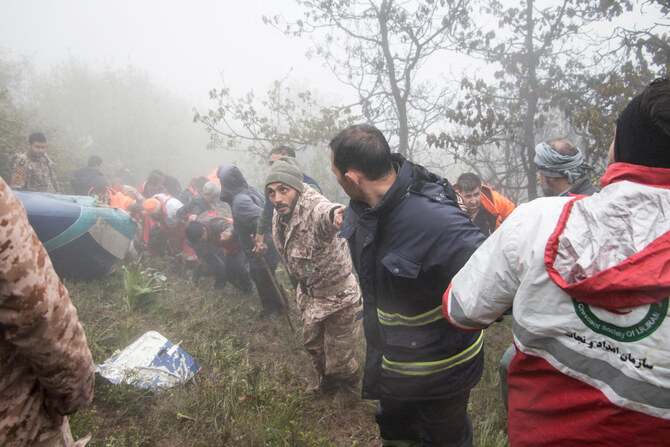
x,y
164,231
246,203
217,247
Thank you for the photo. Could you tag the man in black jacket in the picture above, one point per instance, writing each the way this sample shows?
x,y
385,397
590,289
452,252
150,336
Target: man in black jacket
x,y
89,178
408,238
201,202
246,203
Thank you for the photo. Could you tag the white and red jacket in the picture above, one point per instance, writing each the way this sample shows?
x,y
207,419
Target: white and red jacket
x,y
169,206
589,278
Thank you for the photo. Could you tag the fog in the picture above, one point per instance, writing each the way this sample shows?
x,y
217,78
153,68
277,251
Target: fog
x,y
184,48
124,79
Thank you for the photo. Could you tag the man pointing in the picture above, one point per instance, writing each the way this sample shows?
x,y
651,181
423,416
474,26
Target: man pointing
x,y
328,293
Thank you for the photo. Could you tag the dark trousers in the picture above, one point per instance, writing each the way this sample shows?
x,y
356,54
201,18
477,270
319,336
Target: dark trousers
x,y
225,267
436,423
266,291
236,272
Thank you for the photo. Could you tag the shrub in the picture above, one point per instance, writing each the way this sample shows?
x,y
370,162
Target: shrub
x,y
140,285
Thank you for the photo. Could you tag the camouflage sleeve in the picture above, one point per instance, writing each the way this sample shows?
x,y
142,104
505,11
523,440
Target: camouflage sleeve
x,y
54,180
18,176
52,175
36,314
323,215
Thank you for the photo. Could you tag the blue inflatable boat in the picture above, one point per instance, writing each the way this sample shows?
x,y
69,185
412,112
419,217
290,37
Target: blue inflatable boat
x,y
83,239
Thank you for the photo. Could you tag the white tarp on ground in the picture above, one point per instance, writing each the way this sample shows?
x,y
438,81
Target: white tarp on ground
x,y
152,361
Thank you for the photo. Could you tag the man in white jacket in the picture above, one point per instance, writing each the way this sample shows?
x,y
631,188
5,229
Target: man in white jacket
x,y
589,278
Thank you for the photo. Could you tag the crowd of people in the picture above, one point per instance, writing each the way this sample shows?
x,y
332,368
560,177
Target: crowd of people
x,y
425,264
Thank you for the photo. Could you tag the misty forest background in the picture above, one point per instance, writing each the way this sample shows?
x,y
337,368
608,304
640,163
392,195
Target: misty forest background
x,y
454,85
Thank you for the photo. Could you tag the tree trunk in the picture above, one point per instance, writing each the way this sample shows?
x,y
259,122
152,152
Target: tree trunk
x,y
531,109
399,98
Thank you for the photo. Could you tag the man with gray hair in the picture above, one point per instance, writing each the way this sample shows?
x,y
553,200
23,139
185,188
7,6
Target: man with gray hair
x,y
562,170
203,201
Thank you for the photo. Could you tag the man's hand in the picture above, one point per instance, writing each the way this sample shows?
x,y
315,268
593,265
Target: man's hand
x,y
225,235
192,217
338,215
461,203
260,247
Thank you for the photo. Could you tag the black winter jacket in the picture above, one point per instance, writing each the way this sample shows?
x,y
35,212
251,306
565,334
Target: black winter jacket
x,y
406,250
246,203
582,187
197,205
86,179
212,250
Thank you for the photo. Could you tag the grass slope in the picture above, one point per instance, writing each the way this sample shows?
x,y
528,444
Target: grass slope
x,y
249,391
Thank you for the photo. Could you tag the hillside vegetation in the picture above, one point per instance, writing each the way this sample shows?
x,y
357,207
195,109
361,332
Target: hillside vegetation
x,y
250,390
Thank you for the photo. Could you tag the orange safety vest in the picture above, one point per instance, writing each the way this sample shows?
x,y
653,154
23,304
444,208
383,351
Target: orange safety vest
x,y
497,204
213,177
118,199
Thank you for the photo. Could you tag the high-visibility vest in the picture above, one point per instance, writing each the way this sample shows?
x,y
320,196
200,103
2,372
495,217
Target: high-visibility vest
x,y
119,200
213,177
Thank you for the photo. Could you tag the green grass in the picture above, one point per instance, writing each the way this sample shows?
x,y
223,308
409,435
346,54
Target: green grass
x,y
486,408
140,285
249,391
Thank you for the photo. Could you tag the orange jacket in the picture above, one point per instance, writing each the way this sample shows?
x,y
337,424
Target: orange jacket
x,y
496,204
118,199
213,177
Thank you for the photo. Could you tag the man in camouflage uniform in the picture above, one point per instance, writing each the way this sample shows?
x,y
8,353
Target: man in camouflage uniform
x,y
33,169
46,369
328,293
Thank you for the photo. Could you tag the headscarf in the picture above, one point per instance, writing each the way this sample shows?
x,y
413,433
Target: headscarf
x,y
552,164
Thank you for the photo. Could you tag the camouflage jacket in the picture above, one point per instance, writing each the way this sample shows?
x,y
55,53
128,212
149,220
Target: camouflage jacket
x,y
46,369
316,257
33,173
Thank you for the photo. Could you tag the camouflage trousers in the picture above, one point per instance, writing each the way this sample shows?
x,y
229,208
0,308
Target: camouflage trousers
x,y
54,433
331,344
